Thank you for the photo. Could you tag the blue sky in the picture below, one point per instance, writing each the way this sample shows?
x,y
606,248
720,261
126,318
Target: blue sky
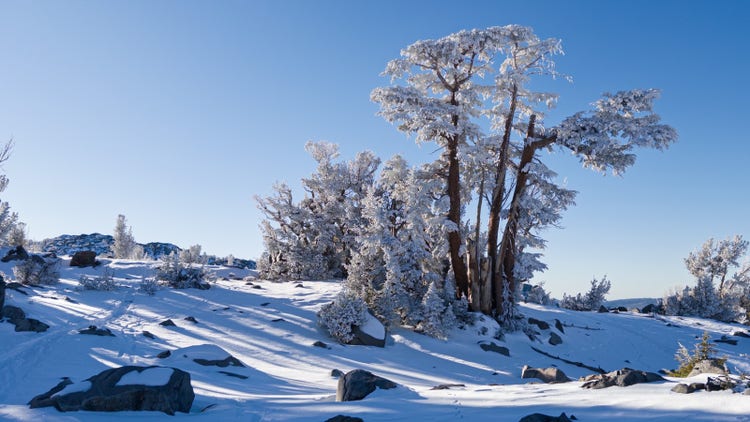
x,y
177,113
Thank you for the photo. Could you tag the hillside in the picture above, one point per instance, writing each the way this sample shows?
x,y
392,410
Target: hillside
x,y
67,244
271,328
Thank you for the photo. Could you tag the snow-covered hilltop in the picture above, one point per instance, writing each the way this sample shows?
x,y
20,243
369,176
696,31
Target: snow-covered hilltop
x,y
67,244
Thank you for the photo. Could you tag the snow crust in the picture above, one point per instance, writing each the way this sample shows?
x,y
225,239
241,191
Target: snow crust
x,y
373,327
150,376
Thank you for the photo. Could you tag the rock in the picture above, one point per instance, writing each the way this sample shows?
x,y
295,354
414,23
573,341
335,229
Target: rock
x,y
221,363
107,395
603,310
31,324
622,309
168,323
720,383
741,334
372,333
541,324
321,345
447,386
726,340
344,418
336,373
165,354
84,259
682,389
622,378
708,366
559,326
149,335
92,330
492,347
555,339
16,254
547,375
540,417
358,384
649,309
191,319
13,313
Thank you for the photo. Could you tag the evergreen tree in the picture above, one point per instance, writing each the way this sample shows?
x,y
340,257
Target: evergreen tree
x,y
124,243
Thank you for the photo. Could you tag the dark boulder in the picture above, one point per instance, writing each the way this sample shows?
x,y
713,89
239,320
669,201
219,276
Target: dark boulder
x,y
108,394
84,259
540,417
554,339
221,363
603,310
16,254
720,383
622,378
688,389
559,326
726,340
741,334
492,347
93,331
362,338
358,384
13,313
31,324
539,323
650,309
344,418
547,375
167,323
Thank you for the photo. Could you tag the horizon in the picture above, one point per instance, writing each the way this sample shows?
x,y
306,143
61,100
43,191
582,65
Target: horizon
x,y
175,115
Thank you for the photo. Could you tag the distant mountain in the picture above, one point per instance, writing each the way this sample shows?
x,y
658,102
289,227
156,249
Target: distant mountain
x,y
67,244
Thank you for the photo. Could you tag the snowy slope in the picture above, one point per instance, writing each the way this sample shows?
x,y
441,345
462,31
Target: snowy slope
x,y
272,330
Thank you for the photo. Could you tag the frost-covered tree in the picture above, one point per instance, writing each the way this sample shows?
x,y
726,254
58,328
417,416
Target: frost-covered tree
x,y
12,231
313,239
591,300
722,282
442,89
124,243
401,251
193,255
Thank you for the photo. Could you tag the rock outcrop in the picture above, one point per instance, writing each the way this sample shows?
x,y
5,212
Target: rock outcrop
x,y
130,388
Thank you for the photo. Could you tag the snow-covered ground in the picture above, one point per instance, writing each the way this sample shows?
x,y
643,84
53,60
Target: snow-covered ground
x,y
272,329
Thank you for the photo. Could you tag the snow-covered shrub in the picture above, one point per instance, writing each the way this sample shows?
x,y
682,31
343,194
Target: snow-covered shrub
x,y
38,271
589,301
193,255
103,282
705,350
339,316
149,286
538,295
181,276
437,314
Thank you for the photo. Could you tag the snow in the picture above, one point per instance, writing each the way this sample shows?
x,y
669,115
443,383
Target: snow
x,y
150,376
373,327
272,330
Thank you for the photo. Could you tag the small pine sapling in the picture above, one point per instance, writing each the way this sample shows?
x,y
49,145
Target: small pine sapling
x,y
704,350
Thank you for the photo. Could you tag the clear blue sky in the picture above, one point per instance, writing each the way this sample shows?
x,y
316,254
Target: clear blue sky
x,y
175,113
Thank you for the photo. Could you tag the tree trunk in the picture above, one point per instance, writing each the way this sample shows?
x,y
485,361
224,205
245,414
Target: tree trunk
x,y
496,203
454,215
508,248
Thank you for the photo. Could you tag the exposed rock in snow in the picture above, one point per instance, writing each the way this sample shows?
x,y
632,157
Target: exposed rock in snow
x,y
357,384
547,375
622,378
109,393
